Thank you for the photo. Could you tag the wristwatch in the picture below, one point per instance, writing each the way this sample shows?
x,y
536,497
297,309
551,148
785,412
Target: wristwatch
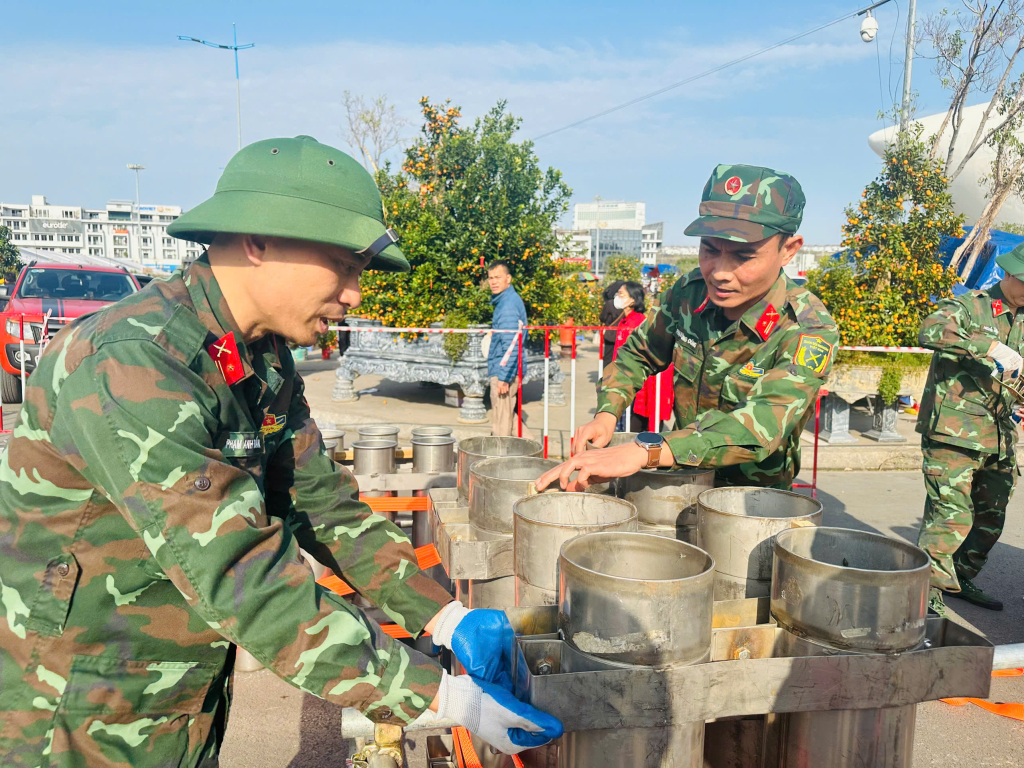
x,y
651,442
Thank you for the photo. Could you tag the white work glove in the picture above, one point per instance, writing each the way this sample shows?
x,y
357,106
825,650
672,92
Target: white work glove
x,y
494,714
1008,363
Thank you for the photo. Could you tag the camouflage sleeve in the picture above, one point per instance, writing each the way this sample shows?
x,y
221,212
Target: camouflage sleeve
x,y
952,331
766,417
138,424
320,500
647,351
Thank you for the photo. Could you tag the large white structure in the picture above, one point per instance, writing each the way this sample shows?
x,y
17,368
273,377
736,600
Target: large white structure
x,y
605,227
609,214
123,230
969,197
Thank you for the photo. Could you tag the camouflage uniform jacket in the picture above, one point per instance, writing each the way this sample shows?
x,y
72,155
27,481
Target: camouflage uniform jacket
x,y
961,404
743,389
141,537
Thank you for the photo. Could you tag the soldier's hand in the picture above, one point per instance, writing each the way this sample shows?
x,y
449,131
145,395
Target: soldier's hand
x,y
599,432
1008,362
599,466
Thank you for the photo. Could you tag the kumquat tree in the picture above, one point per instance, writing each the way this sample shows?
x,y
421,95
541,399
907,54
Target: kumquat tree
x,y
884,283
463,198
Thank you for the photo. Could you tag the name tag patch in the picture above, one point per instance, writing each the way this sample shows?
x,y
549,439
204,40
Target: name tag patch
x,y
751,371
243,445
812,352
691,343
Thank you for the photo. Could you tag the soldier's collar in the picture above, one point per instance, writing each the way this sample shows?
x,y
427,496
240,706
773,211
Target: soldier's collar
x,y
763,317
1000,306
212,309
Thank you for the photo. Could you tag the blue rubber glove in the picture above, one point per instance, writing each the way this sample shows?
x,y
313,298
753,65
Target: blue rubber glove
x,y
481,639
495,715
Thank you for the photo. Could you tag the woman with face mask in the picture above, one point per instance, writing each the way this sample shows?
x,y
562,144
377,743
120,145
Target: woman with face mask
x,y
630,300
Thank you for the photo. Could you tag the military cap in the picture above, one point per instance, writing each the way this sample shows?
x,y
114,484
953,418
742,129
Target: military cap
x,y
747,203
1012,262
297,188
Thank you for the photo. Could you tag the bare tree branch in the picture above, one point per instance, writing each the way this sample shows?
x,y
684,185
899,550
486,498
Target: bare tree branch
x,y
373,129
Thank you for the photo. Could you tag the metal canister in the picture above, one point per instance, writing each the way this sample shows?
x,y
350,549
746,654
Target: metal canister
x,y
546,521
334,440
378,431
473,449
636,598
666,500
836,590
374,457
737,526
433,454
496,484
432,432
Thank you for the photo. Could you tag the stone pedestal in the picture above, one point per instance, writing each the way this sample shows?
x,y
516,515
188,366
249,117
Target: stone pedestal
x,y
835,421
883,429
423,359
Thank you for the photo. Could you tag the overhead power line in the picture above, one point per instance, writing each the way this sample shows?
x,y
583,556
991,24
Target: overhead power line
x,y
712,71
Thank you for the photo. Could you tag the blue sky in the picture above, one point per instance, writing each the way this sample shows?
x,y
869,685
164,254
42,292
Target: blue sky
x,y
91,87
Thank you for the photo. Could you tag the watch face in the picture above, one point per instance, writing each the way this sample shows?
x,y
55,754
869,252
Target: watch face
x,y
649,438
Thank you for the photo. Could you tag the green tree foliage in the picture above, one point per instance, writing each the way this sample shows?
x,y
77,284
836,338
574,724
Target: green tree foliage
x,y
463,198
880,288
1011,227
619,266
10,257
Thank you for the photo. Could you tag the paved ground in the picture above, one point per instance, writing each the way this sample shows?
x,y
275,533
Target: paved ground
x,y
305,732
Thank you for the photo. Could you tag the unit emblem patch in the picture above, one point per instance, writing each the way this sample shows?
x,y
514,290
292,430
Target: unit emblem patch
x,y
751,371
273,423
812,352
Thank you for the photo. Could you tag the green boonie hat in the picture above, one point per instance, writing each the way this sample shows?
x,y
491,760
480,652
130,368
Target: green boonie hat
x,y
1012,262
747,203
297,188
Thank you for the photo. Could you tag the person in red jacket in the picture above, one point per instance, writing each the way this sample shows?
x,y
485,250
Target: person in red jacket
x,y
631,300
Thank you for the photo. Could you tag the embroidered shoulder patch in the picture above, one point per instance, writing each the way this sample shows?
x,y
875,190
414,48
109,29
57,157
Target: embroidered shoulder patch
x,y
812,352
273,423
751,370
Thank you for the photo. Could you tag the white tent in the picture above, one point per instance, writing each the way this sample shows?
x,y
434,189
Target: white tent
x,y
968,195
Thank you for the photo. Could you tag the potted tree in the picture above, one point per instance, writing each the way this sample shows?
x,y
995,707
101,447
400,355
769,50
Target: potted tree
x,y
885,283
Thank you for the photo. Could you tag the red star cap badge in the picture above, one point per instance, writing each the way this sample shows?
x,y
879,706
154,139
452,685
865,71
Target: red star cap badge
x,y
224,352
733,185
767,322
997,307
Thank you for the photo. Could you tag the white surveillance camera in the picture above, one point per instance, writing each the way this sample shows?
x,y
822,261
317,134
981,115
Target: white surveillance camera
x,y
868,28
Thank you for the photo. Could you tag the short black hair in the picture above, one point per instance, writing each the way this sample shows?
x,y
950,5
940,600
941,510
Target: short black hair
x,y
783,238
636,293
499,263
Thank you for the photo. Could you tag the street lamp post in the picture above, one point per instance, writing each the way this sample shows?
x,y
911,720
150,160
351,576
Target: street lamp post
x,y
136,167
236,48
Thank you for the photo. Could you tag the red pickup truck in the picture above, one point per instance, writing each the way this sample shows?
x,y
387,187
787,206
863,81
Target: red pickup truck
x,y
64,291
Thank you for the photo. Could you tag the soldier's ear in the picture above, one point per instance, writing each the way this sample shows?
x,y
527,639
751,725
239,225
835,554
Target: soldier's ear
x,y
255,248
789,247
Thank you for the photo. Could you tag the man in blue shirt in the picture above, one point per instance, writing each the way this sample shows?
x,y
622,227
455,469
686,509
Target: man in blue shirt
x,y
509,314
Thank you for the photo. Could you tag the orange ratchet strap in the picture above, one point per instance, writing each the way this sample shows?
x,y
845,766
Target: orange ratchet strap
x,y
1011,710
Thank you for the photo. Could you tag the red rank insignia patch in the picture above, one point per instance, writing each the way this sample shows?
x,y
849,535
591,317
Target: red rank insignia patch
x,y
703,304
224,352
997,307
767,322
